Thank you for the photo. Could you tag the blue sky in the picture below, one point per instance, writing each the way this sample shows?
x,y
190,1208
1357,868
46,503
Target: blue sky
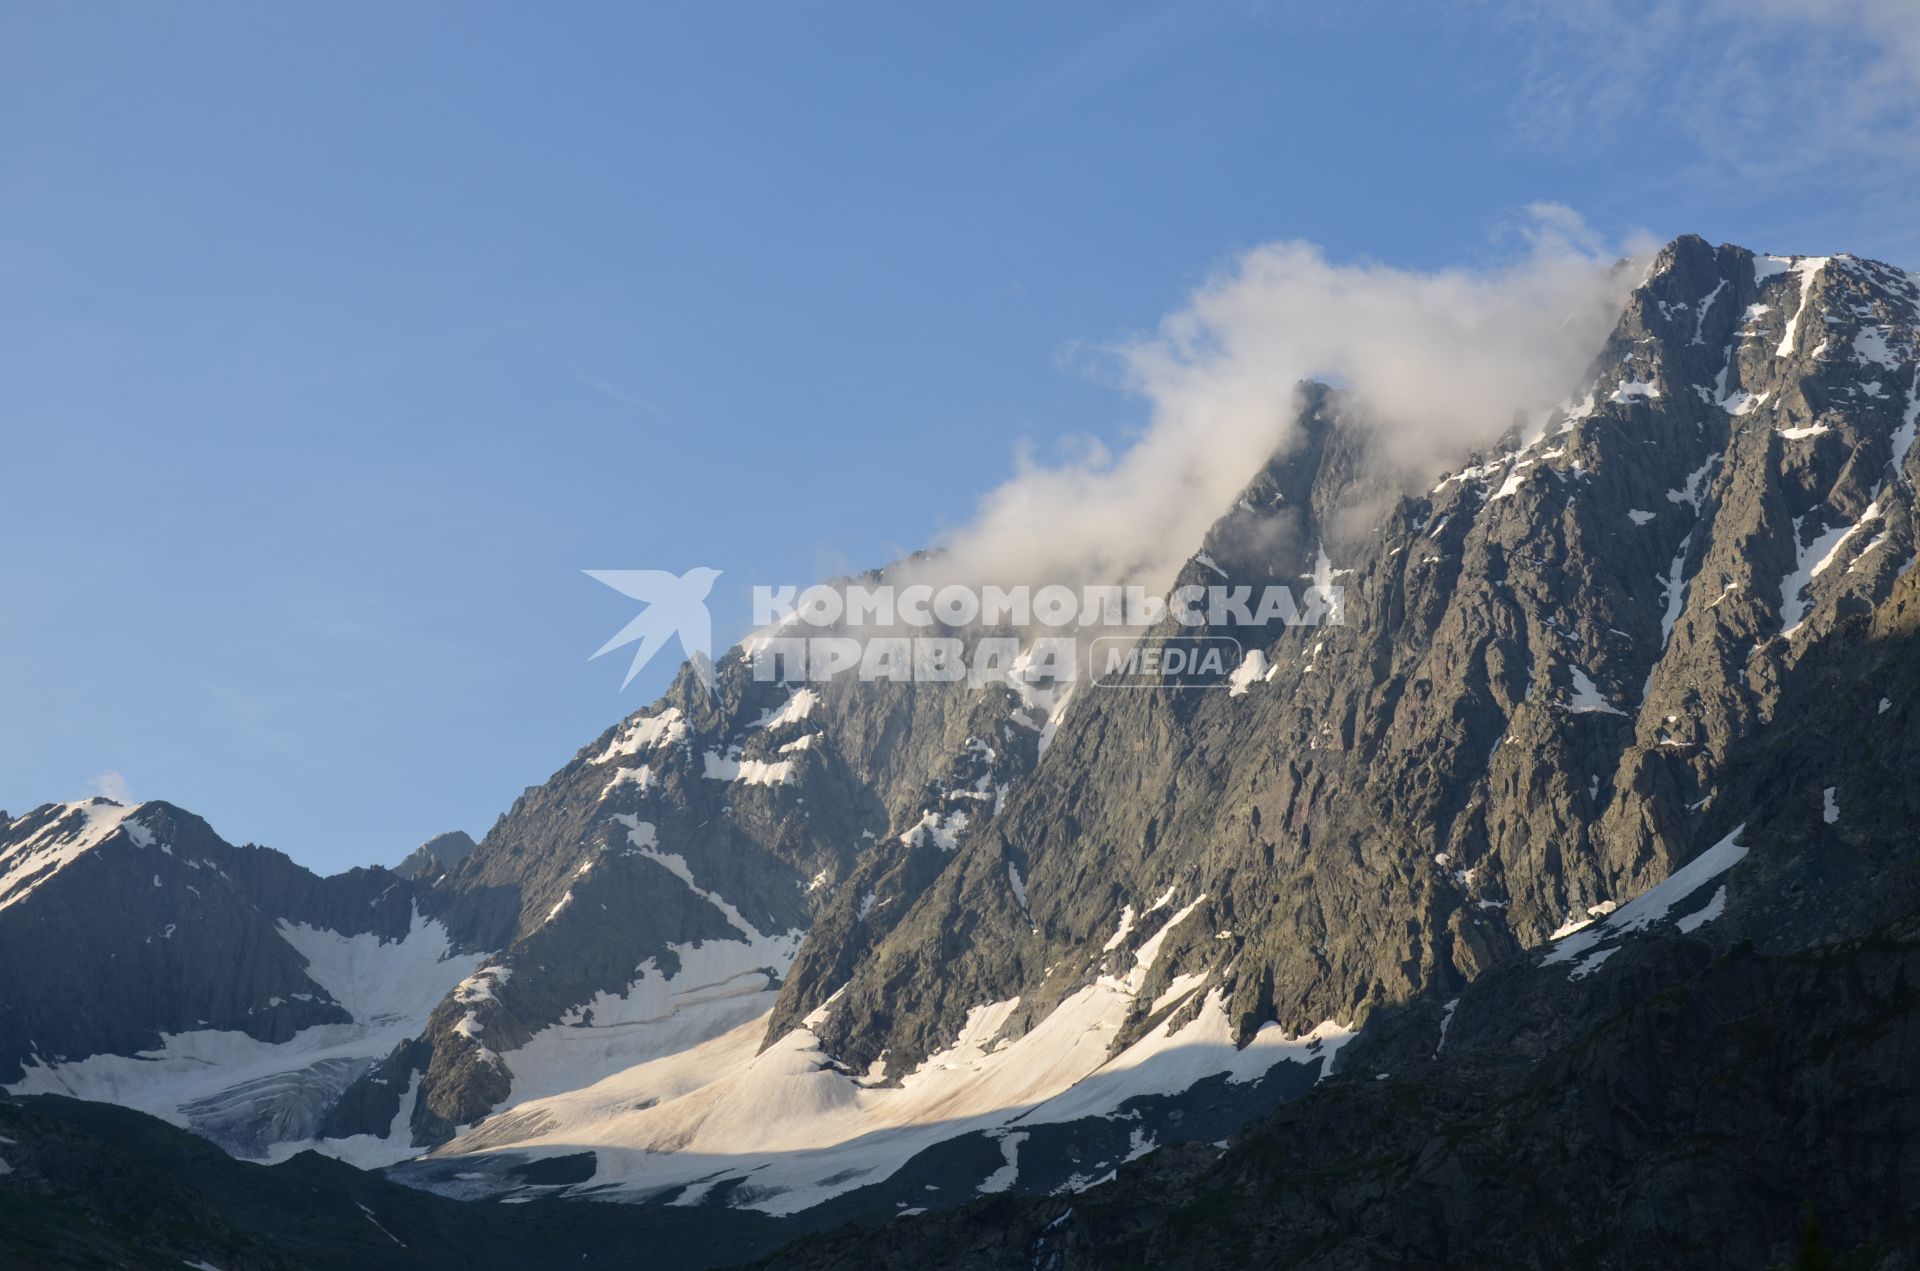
x,y
336,340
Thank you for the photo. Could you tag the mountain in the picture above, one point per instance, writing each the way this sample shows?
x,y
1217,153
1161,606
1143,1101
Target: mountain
x,y
1718,1073
1523,723
1526,716
149,962
437,855
1611,736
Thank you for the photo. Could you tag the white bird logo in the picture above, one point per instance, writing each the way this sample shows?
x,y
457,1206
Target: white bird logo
x,y
676,606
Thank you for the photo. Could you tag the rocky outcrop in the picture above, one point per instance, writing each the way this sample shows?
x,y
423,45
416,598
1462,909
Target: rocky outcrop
x,y
436,856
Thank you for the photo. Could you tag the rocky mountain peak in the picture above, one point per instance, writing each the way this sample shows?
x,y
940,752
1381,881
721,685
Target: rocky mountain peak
x,y
437,855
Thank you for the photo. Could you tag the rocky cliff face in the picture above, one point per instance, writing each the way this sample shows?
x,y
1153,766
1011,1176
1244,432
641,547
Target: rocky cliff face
x,y
1526,716
1717,1074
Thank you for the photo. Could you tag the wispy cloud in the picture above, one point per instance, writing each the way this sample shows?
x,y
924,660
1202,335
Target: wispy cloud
x,y
1443,358
614,391
1107,58
1761,88
111,785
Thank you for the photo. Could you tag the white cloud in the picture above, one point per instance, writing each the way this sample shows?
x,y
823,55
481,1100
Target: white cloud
x,y
1761,88
1442,358
1887,30
112,785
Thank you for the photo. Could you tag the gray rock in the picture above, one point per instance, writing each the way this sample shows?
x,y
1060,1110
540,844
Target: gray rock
x,y
437,855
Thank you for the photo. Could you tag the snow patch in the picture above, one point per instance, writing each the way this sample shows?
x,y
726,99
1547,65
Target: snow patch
x,y
1652,905
1630,389
1512,484
1674,589
942,829
752,772
1252,668
1587,697
797,708
1446,1018
389,987
1706,303
1806,269
1589,964
1870,347
1903,436
642,777
1694,490
1812,560
645,733
1004,1178
1711,910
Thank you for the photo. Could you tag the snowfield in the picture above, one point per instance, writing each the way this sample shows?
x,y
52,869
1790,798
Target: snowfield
x,y
798,1129
263,1100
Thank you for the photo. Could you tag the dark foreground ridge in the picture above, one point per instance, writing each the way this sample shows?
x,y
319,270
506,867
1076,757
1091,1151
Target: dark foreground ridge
x,y
1704,1125
93,1185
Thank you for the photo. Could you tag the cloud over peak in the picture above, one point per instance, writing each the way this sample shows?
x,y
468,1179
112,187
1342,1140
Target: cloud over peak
x,y
1443,359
